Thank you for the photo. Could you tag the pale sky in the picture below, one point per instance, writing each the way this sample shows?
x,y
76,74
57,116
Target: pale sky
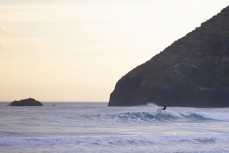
x,y
76,50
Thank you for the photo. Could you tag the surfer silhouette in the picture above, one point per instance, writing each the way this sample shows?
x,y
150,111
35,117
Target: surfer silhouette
x,y
164,108
161,109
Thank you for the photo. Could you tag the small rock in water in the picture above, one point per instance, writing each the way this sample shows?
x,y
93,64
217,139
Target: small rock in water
x,y
26,102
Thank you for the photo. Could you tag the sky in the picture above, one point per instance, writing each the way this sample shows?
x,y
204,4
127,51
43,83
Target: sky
x,y
76,50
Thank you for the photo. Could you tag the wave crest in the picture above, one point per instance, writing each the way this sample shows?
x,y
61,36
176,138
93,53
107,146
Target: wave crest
x,y
151,117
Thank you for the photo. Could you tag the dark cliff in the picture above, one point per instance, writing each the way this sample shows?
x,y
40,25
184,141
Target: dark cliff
x,y
193,71
26,102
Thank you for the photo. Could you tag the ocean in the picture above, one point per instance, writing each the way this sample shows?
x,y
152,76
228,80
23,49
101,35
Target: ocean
x,y
96,128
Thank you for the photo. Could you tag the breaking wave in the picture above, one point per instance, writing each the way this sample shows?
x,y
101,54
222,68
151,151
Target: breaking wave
x,y
159,117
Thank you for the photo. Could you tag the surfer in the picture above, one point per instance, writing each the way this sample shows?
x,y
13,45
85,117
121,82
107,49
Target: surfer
x,y
161,109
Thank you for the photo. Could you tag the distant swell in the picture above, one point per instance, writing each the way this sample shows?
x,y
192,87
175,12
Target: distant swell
x,y
113,139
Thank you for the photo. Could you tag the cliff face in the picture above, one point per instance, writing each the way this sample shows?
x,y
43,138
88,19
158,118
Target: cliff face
x,y
193,71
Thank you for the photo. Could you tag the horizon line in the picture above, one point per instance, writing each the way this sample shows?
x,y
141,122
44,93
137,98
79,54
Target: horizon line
x,y
64,101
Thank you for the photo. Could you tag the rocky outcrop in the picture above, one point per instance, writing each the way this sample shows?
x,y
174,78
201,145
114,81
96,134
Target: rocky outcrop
x,y
26,102
193,71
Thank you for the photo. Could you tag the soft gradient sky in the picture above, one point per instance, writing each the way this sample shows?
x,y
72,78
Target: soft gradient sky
x,y
76,50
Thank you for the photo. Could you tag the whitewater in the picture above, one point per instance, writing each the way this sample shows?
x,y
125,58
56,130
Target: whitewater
x,y
96,128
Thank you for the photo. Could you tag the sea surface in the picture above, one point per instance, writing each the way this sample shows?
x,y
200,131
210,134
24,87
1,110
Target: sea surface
x,y
96,128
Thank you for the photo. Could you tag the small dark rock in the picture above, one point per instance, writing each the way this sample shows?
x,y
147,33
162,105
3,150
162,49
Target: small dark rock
x,y
26,102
